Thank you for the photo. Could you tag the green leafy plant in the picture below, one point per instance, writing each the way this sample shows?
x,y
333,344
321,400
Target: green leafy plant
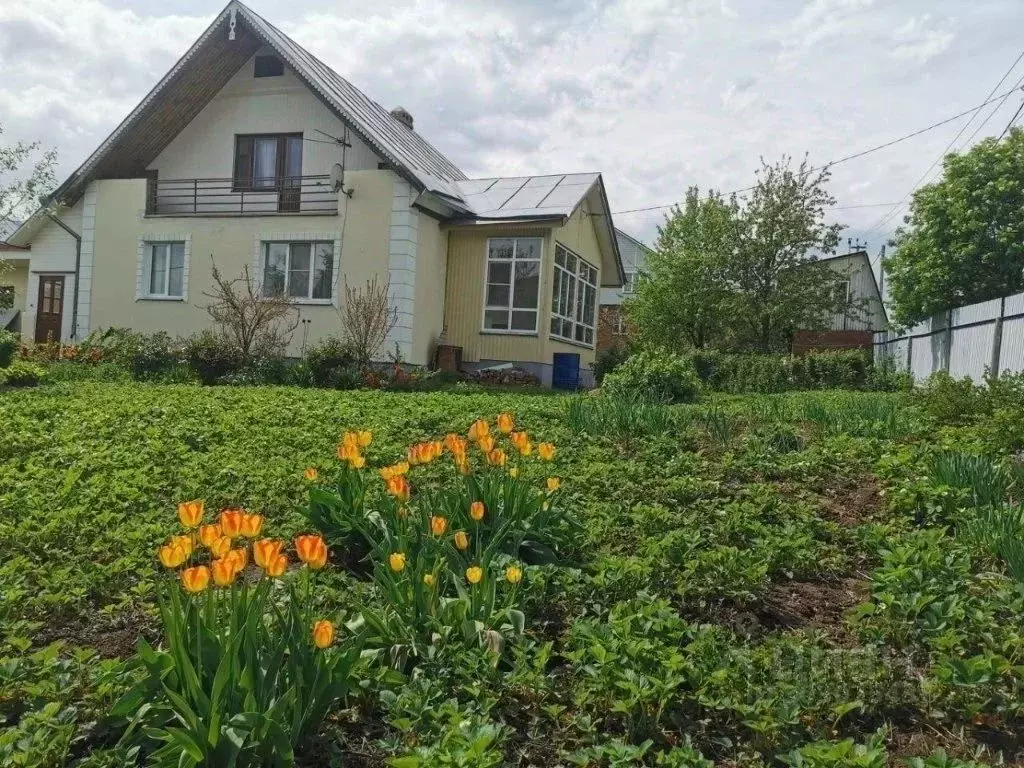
x,y
22,373
8,346
654,375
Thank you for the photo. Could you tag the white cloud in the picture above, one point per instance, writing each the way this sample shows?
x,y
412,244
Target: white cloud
x,y
657,94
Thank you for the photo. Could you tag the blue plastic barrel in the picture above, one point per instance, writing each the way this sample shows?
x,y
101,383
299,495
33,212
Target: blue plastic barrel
x,y
565,371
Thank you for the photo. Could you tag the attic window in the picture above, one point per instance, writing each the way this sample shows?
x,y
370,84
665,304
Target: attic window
x,y
268,66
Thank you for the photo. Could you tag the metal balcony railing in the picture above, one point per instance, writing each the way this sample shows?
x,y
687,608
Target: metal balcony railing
x,y
232,197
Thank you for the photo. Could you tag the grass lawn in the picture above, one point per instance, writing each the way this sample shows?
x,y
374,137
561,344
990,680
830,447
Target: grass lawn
x,y
757,577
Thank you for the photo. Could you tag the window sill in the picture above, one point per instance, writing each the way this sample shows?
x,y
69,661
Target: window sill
x,y
312,302
492,332
572,342
179,299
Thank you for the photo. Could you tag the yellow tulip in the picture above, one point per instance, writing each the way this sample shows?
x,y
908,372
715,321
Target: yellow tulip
x,y
476,510
251,525
485,444
461,541
190,513
478,430
312,550
364,438
265,550
185,542
240,558
438,525
428,579
224,571
474,574
220,547
231,522
357,462
311,474
505,422
323,633
553,484
209,534
397,561
546,451
513,574
513,472
195,579
276,566
172,555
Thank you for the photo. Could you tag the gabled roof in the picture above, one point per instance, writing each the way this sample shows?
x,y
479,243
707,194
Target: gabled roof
x,y
234,36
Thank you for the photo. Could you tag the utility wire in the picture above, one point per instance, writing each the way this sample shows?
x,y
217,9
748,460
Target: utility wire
x,y
888,215
991,114
846,158
1013,120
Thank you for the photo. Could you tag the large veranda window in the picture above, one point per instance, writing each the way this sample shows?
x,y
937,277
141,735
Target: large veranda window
x,y
298,270
512,290
574,298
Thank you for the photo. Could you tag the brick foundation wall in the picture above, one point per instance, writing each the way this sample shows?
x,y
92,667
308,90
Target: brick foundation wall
x,y
830,341
607,323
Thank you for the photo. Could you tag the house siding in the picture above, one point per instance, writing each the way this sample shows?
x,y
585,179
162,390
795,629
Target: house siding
x,y
53,252
14,273
857,269
361,228
431,273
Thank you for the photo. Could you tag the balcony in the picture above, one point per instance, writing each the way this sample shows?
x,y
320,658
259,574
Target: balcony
x,y
314,195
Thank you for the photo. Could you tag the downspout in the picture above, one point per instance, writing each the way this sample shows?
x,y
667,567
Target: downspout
x,y
78,266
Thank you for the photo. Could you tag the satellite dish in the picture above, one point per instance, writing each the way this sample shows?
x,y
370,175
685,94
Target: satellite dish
x,y
337,176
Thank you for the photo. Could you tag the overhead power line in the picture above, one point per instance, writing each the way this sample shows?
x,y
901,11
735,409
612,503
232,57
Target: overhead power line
x,y
1013,120
890,214
845,158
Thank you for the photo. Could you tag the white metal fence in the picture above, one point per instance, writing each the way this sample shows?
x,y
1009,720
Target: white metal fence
x,y
965,341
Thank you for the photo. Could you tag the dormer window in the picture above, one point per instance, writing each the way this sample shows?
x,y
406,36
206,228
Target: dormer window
x,y
268,66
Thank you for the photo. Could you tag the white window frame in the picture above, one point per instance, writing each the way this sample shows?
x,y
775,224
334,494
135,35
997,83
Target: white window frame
x,y
575,279
629,285
621,327
512,287
144,267
264,250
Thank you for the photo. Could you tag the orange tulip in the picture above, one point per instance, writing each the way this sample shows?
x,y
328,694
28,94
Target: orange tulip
x,y
231,522
185,542
224,571
323,633
463,466
195,579
350,439
220,547
553,484
461,541
455,443
311,474
546,451
437,448
485,444
478,430
474,574
265,550
522,443
240,557
505,422
398,486
209,534
190,513
172,555
438,525
251,525
476,510
277,566
312,550
397,561
364,438
347,451
496,458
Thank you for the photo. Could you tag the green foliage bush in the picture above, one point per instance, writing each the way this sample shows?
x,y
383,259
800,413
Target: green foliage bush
x,y
607,360
332,363
212,357
22,373
8,346
656,376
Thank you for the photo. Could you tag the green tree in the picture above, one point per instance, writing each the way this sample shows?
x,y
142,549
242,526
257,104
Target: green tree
x,y
26,174
778,284
963,240
680,296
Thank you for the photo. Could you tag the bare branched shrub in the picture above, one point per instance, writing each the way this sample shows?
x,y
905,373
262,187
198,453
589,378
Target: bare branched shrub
x,y
367,317
256,325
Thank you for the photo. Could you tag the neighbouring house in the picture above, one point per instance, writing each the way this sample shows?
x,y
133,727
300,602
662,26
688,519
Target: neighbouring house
x,y
251,152
612,327
855,280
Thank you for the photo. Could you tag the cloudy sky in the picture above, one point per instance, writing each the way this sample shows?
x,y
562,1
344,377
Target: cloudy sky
x,y
659,95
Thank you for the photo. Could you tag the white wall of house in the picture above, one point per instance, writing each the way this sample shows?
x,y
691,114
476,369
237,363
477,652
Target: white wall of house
x,y
634,259
53,253
205,149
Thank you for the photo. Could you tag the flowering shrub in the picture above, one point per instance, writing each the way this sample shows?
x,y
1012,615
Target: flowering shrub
x,y
245,671
446,555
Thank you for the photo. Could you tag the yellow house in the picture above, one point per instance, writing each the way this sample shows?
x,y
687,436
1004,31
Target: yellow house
x,y
252,154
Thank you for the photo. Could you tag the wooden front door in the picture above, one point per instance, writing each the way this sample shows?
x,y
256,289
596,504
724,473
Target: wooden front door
x,y
50,308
